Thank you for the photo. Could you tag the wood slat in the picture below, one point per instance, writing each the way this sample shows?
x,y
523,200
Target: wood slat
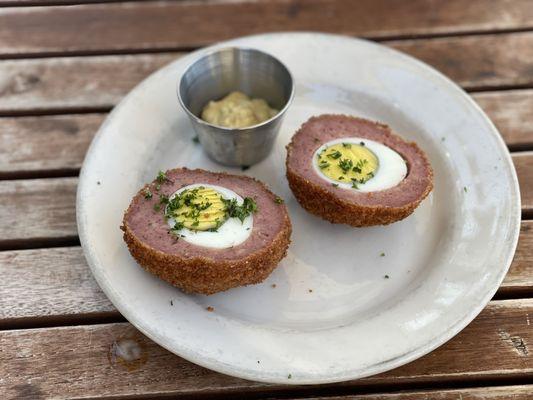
x,y
45,146
98,82
47,286
44,286
512,113
523,163
164,25
56,145
37,210
519,392
76,361
48,205
493,60
72,83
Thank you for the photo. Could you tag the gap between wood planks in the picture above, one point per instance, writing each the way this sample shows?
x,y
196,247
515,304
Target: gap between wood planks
x,y
515,389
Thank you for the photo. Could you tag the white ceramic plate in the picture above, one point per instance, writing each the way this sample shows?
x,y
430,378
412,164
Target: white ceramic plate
x,y
444,262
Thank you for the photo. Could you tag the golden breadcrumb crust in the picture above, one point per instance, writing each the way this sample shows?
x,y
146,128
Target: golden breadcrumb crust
x,y
321,201
208,275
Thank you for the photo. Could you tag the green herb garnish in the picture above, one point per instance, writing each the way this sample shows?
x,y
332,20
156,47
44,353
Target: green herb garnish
x,y
161,177
196,139
323,164
278,200
345,164
335,154
335,184
347,145
234,210
147,194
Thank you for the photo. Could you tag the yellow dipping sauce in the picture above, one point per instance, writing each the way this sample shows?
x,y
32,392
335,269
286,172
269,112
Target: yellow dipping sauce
x,y
199,209
237,110
348,163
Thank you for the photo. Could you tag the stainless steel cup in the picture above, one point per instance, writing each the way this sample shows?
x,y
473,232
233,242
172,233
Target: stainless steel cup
x,y
253,72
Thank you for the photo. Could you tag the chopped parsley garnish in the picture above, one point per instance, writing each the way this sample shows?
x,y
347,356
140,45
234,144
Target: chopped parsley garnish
x,y
157,207
195,210
362,143
278,200
163,199
161,177
233,210
335,184
347,145
335,154
386,277
196,139
354,185
345,164
382,255
147,194
465,189
323,164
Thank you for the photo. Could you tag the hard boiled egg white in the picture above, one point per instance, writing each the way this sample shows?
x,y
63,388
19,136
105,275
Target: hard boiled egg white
x,y
374,165
231,233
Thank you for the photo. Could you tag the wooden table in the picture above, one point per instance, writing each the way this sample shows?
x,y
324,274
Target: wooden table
x,y
63,67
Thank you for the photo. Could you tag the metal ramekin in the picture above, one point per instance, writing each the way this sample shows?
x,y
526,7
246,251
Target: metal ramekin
x,y
253,72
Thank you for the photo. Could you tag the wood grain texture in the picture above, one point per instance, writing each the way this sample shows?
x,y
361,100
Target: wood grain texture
x,y
45,145
48,285
48,205
37,209
164,25
523,163
493,60
99,82
518,392
43,286
55,145
72,83
76,361
512,113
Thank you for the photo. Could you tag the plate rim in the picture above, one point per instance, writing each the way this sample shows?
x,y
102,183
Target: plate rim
x,y
232,370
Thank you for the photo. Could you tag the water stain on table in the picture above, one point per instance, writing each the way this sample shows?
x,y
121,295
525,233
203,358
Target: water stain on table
x,y
127,352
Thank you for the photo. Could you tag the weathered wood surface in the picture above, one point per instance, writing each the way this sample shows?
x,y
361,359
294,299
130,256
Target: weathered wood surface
x,y
523,162
519,392
72,83
49,286
166,24
55,145
48,205
47,145
494,61
36,210
72,362
98,82
44,286
512,113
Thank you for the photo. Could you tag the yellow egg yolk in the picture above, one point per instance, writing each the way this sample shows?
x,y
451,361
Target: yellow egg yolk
x,y
199,209
348,163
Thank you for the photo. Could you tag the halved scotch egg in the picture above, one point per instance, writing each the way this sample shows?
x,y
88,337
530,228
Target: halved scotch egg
x,y
206,232
355,171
